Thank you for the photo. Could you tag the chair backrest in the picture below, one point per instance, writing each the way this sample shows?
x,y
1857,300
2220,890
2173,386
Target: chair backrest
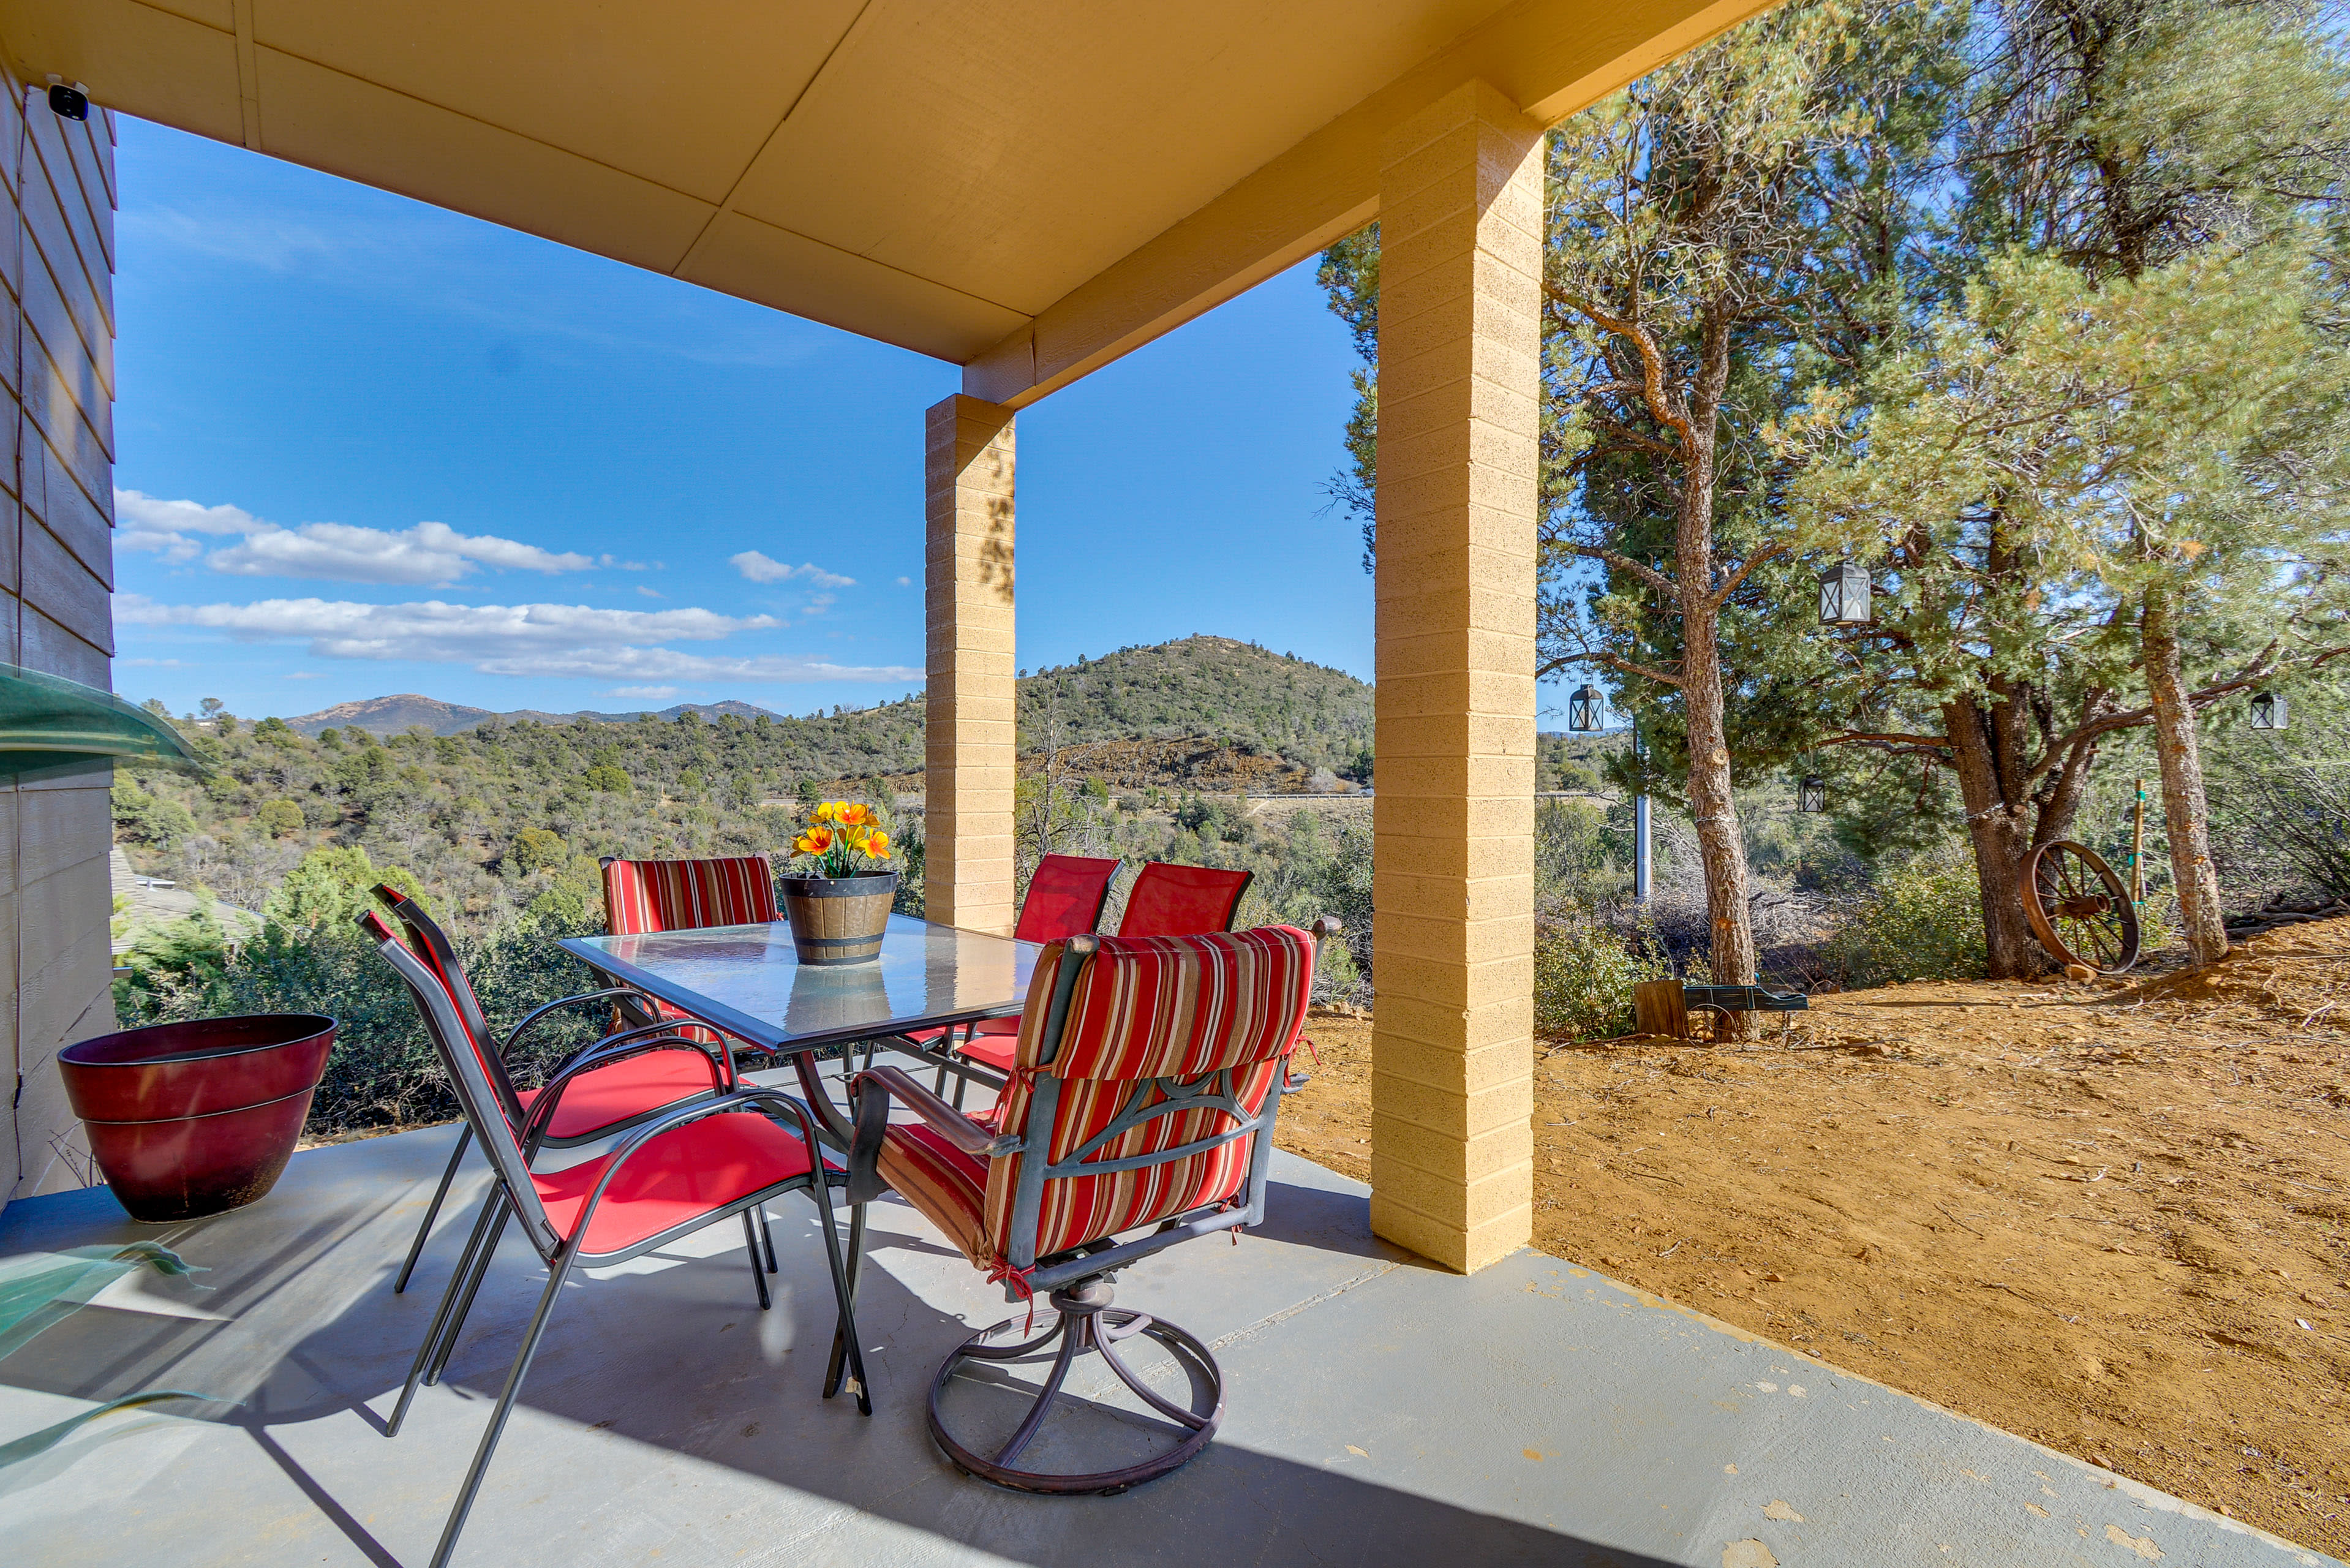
x,y
470,1076
1181,900
682,895
432,947
1108,1070
1065,896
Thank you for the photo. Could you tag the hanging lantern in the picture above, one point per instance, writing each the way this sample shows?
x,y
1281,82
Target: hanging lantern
x,y
2268,710
1844,595
1812,794
1585,709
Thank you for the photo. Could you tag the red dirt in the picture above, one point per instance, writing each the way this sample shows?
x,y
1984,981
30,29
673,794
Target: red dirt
x,y
2112,1217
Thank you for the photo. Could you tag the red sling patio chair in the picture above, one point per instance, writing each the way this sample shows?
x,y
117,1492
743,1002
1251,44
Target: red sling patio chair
x,y
1065,898
1169,900
1142,1099
642,895
602,1103
692,1166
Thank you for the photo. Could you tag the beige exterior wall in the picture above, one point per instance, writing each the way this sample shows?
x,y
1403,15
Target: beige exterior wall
x,y
57,572
1460,347
969,747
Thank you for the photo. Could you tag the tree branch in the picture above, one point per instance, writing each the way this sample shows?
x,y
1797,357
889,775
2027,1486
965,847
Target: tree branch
x,y
1623,563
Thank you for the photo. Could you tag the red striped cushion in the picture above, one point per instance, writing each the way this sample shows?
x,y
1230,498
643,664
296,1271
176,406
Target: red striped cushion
x,y
1151,1007
682,895
941,1180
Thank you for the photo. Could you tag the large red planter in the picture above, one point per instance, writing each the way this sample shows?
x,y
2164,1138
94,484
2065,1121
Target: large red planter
x,y
189,1119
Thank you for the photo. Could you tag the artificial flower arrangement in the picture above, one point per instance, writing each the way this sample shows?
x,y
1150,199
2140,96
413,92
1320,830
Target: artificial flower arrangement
x,y
842,838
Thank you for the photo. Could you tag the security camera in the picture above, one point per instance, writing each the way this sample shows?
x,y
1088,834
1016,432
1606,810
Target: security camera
x,y
71,103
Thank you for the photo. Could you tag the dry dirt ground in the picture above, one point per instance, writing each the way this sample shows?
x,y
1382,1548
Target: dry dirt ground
x,y
2114,1216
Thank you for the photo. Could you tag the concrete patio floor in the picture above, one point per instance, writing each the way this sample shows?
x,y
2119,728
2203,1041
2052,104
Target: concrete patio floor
x,y
1379,1411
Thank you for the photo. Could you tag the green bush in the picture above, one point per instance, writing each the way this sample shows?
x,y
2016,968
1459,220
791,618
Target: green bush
x,y
1921,920
1584,975
535,849
382,1072
332,885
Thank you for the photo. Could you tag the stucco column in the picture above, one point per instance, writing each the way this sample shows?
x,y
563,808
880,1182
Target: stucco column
x,y
968,752
1460,349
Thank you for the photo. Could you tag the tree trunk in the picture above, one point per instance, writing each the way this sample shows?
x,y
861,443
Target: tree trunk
x,y
2184,811
1721,844
1999,829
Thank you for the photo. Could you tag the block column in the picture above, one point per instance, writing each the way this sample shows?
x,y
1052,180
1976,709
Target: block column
x,y
969,745
1461,216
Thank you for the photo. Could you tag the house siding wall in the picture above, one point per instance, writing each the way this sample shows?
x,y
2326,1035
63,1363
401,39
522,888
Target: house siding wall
x,y
57,581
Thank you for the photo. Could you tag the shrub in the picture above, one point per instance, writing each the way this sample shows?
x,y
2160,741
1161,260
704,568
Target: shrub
x,y
382,1071
279,818
606,779
1584,975
1921,920
331,887
536,849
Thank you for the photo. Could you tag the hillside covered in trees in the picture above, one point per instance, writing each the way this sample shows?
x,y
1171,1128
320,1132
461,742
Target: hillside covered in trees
x,y
509,815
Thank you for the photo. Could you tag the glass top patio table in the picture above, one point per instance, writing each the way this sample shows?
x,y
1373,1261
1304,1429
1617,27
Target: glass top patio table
x,y
747,978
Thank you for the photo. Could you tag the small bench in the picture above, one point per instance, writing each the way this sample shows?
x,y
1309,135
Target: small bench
x,y
1663,1006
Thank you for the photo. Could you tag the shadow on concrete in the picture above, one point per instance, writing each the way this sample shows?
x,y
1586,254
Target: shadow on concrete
x,y
673,1354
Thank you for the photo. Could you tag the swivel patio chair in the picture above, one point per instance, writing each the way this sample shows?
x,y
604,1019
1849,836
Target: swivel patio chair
x,y
692,1166
1142,1100
642,895
1065,898
602,1103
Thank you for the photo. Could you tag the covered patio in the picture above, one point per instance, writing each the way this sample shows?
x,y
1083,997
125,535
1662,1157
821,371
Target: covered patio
x,y
1028,192
1382,1411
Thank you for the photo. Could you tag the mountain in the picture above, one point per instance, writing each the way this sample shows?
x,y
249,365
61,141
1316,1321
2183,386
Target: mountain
x,y
395,715
1237,693
391,715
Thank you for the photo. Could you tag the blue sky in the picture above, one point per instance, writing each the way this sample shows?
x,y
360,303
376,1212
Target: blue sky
x,y
367,446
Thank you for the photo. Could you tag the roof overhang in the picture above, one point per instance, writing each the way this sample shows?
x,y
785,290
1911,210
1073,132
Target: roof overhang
x,y
1025,189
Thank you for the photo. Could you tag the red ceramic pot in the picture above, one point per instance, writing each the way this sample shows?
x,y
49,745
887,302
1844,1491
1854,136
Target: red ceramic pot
x,y
190,1120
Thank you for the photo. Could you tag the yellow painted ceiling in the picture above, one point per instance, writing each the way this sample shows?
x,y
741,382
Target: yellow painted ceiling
x,y
934,173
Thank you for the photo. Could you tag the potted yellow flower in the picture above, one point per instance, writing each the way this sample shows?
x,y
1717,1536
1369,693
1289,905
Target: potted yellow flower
x,y
838,893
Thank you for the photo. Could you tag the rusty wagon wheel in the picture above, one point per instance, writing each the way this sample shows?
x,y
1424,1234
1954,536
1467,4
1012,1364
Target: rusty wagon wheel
x,y
2079,909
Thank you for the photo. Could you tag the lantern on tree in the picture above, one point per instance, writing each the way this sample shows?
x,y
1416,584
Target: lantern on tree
x,y
2268,710
1812,794
1585,709
1844,595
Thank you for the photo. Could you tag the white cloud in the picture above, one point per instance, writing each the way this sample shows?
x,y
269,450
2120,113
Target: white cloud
x,y
762,568
651,593
652,694
430,553
509,639
303,675
905,582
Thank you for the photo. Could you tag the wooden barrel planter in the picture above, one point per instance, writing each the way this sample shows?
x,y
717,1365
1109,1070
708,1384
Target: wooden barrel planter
x,y
190,1120
838,919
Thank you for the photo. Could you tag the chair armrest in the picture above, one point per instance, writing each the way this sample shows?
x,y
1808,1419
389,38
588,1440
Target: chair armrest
x,y
542,1108
734,1104
957,1128
668,1028
536,1014
873,1091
